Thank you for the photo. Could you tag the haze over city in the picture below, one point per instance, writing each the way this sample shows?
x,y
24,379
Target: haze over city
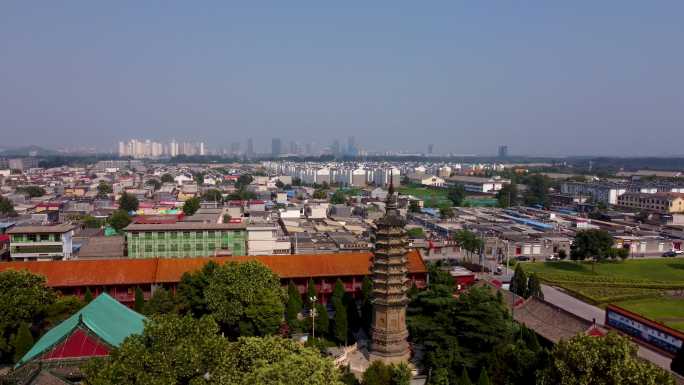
x,y
581,78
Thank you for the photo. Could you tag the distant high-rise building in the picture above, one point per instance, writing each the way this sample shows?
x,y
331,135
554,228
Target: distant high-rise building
x,y
201,149
122,149
173,148
431,147
336,148
235,148
250,148
351,146
276,147
293,148
503,151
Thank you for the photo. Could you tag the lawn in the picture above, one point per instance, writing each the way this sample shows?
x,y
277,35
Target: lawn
x,y
663,270
431,197
666,310
644,286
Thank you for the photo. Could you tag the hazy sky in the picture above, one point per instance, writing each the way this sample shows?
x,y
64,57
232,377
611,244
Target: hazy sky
x,y
544,77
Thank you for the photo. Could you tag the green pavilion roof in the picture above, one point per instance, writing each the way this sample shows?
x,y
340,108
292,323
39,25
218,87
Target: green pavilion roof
x,y
104,316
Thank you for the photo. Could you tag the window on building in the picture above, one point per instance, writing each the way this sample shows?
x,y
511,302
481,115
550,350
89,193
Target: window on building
x,y
211,234
134,234
199,247
173,235
148,248
187,247
161,248
186,234
148,235
198,234
160,234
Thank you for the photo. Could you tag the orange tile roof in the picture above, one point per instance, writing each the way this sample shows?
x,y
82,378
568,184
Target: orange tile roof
x,y
90,272
167,270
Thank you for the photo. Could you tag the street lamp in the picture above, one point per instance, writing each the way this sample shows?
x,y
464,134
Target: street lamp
x,y
313,316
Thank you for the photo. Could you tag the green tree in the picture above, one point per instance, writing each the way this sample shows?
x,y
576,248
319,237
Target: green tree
x,y
128,202
465,379
171,350
320,194
591,243
91,222
366,303
104,189
21,342
154,183
294,306
534,288
338,197
414,207
63,307
191,293
537,192
377,374
246,298
322,320
456,194
401,374
161,302
562,254
310,292
446,212
507,196
88,296
167,178
139,300
212,195
519,282
416,232
119,219
484,378
440,377
31,191
340,326
191,206
677,364
23,300
610,359
243,181
469,241
7,207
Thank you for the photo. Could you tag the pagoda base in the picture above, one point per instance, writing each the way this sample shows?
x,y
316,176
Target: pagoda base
x,y
390,359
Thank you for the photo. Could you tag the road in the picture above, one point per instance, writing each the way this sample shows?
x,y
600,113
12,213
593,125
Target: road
x,y
591,313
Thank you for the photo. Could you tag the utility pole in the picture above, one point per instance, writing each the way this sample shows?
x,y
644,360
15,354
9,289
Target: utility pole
x,y
313,316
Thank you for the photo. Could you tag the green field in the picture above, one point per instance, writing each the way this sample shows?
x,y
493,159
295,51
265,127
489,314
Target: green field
x,y
666,310
664,270
653,288
431,197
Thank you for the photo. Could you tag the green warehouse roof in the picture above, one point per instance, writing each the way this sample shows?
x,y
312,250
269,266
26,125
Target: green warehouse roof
x,y
106,317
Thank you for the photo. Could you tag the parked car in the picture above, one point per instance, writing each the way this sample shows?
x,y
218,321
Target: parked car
x,y
669,254
523,258
553,258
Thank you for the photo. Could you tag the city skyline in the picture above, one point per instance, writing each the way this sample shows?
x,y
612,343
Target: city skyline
x,y
397,78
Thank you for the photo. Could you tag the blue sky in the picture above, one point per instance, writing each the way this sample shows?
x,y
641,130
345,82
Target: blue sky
x,y
546,78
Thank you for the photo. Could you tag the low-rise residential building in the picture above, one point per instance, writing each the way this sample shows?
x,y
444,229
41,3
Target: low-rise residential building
x,y
185,239
267,239
478,184
42,243
660,202
600,192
